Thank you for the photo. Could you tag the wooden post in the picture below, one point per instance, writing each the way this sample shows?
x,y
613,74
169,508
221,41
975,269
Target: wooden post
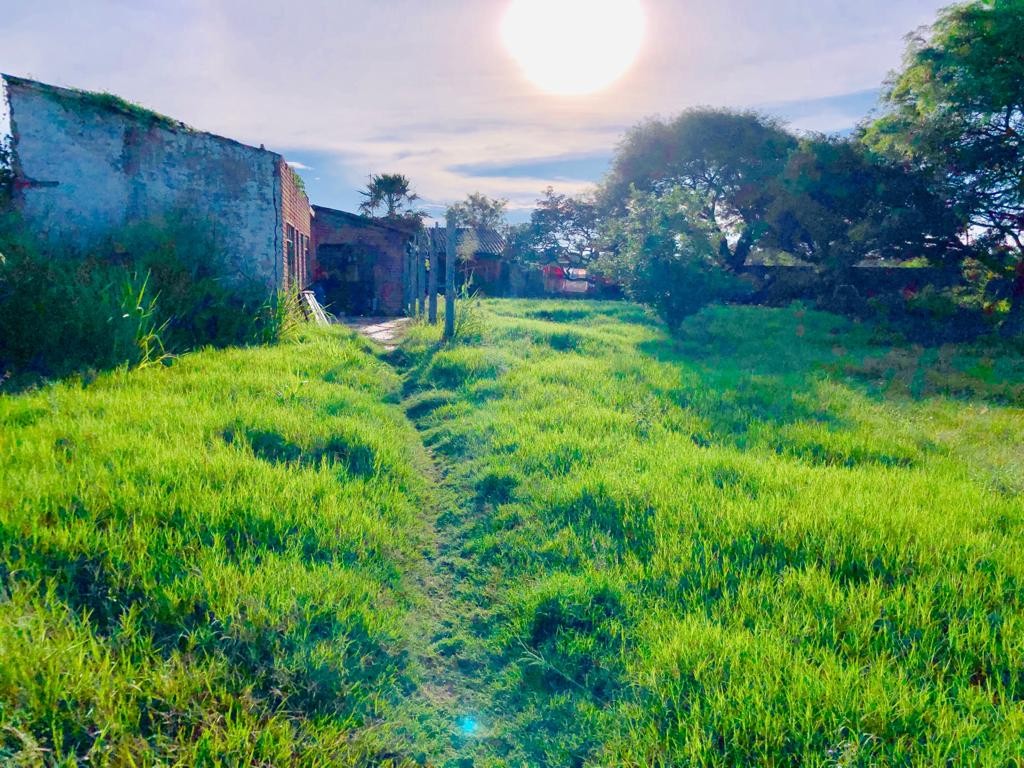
x,y
407,289
432,279
421,280
415,279
449,278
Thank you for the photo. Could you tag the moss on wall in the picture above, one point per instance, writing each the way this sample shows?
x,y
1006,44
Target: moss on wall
x,y
103,101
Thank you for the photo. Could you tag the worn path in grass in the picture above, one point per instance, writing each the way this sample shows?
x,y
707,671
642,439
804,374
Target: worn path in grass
x,y
385,331
445,722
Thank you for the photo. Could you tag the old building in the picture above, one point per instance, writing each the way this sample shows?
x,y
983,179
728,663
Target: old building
x,y
87,164
360,262
481,257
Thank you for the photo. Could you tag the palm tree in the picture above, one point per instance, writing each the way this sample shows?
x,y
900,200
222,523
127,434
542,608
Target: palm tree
x,y
391,192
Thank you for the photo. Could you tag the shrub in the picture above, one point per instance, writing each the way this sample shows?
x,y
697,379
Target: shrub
x,y
130,299
669,259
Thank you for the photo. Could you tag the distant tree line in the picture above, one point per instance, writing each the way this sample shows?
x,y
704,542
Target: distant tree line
x,y
936,179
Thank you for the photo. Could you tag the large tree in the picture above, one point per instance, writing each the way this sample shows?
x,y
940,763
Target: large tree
x,y
836,203
956,109
391,195
562,227
727,158
480,212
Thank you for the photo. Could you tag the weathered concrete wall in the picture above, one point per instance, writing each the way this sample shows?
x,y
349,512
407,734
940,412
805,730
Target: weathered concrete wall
x,y
386,244
88,164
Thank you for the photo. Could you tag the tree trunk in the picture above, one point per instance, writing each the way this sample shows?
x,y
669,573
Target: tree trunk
x,y
742,252
736,258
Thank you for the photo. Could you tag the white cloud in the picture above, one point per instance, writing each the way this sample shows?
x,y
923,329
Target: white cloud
x,y
422,88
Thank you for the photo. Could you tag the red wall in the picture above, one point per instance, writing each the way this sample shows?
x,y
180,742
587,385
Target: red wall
x,y
339,228
297,226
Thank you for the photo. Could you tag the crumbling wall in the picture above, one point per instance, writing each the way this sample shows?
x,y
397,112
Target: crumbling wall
x,y
89,164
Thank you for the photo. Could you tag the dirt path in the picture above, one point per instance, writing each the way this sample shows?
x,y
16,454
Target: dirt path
x,y
446,720
386,331
454,729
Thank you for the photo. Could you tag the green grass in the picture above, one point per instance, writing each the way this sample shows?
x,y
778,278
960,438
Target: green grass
x,y
208,562
777,538
769,541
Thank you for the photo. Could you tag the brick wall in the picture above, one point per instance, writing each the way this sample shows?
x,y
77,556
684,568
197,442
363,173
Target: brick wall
x,y
381,244
297,228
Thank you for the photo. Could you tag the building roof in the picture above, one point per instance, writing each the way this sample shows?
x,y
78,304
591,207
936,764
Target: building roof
x,y
357,220
491,242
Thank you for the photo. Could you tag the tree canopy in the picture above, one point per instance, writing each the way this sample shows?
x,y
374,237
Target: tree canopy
x,y
836,203
561,228
726,157
392,195
956,109
480,212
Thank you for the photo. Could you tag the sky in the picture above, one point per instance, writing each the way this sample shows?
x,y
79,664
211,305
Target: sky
x,y
346,88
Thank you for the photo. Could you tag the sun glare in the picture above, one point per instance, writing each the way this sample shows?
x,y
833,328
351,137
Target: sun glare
x,y
574,47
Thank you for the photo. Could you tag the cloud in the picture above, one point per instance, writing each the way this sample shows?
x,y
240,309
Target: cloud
x,y
352,88
834,114
580,168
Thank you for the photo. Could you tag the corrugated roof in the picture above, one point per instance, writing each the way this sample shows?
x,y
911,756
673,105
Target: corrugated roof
x,y
491,242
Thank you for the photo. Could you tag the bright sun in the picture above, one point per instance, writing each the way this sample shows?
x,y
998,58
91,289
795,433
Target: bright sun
x,y
574,47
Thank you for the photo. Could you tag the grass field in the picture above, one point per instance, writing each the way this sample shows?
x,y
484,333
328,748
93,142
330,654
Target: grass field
x,y
207,564
770,541
777,538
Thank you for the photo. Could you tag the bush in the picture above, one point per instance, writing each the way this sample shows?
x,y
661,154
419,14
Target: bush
x,y
670,259
131,299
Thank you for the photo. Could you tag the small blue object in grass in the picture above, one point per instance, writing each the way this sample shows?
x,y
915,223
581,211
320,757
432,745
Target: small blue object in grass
x,y
468,726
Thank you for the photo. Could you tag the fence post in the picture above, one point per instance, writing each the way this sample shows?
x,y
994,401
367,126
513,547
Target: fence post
x,y
421,280
432,277
449,278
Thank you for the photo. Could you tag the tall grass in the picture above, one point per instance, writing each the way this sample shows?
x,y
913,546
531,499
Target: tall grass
x,y
149,290
768,540
776,537
206,564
